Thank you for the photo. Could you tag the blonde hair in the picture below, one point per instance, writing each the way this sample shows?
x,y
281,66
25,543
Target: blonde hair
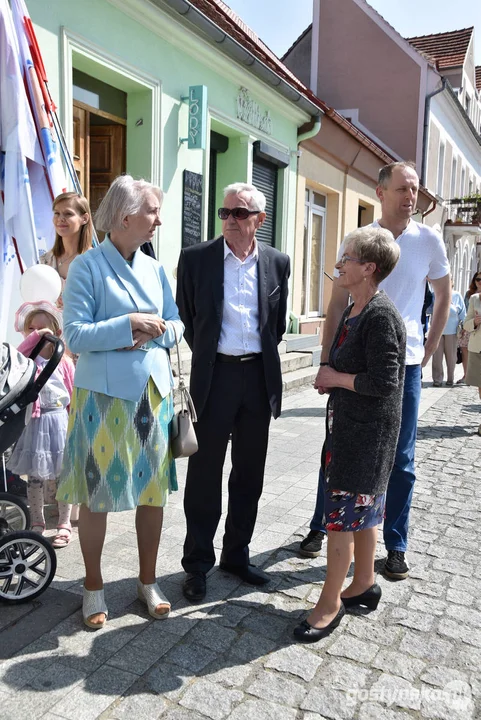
x,y
54,323
81,206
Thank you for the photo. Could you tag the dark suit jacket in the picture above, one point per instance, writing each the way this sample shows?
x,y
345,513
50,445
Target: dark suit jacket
x,y
200,299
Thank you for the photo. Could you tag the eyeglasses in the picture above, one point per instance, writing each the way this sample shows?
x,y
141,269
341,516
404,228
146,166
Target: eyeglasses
x,y
345,258
477,279
238,213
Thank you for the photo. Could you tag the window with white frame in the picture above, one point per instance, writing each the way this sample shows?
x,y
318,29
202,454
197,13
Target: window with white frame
x,y
314,250
454,172
468,105
439,186
463,181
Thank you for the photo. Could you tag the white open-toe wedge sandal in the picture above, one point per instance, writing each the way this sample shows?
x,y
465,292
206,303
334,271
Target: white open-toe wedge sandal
x,y
152,596
93,604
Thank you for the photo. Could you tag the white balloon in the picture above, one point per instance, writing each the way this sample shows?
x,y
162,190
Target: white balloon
x,y
40,282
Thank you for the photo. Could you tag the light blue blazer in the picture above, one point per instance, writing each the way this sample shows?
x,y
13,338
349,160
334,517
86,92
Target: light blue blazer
x,y
101,290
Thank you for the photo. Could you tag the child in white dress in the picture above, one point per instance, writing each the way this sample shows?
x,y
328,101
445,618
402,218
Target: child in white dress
x,y
39,450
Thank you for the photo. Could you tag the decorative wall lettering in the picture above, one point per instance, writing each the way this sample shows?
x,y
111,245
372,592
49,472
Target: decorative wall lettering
x,y
250,112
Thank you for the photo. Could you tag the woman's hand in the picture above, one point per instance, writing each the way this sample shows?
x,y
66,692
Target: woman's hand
x,y
326,378
148,324
477,320
318,383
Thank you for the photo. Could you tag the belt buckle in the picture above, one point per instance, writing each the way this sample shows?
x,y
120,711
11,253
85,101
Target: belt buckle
x,y
245,358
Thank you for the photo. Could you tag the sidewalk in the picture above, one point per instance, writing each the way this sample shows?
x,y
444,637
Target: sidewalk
x,y
417,656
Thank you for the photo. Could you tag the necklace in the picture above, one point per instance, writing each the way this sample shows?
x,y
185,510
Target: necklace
x,y
67,259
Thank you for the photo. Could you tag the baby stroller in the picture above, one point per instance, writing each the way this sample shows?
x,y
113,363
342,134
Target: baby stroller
x,y
27,561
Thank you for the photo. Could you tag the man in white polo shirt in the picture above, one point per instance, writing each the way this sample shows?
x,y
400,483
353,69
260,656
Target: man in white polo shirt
x,y
423,257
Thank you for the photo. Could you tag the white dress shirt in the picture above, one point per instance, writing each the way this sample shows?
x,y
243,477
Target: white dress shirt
x,y
239,333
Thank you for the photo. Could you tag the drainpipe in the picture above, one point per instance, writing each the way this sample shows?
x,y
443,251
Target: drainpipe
x,y
312,132
428,212
427,106
294,320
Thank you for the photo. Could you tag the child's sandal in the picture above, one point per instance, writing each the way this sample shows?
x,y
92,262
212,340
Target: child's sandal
x,y
63,536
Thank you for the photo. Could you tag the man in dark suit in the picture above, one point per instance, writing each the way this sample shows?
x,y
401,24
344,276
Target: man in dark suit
x,y
232,298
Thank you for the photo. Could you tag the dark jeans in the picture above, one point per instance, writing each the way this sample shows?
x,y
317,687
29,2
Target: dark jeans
x,y
401,483
237,404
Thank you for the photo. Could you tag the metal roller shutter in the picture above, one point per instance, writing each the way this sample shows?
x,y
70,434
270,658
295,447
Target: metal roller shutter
x,y
264,177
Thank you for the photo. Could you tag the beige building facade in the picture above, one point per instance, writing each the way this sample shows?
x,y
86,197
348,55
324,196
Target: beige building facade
x,y
336,193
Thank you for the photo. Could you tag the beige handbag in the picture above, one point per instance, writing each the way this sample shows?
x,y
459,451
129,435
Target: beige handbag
x,y
183,438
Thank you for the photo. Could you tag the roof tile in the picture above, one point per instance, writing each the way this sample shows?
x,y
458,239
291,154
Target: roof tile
x,y
448,49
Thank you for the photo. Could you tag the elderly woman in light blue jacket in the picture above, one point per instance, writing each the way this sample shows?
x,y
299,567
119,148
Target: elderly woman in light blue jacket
x,y
121,318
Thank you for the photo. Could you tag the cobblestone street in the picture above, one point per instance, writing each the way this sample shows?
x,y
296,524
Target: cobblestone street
x,y
417,656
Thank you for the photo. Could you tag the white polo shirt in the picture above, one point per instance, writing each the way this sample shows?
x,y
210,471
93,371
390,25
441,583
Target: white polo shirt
x,y
423,256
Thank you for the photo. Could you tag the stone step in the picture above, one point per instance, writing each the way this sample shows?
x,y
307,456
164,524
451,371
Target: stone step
x,y
295,361
298,378
299,342
314,353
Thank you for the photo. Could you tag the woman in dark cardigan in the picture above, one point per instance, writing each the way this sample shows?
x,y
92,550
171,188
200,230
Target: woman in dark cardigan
x,y
364,377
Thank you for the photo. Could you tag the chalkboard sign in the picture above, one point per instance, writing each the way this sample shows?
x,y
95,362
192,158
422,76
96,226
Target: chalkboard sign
x,y
192,209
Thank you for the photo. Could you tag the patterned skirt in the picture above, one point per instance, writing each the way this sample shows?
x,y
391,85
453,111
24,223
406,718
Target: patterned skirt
x,y
347,511
117,454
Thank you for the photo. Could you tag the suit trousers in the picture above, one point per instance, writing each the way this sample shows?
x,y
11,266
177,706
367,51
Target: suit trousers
x,y
447,348
237,404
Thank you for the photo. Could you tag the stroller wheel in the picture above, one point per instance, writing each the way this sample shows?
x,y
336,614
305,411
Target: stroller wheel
x,y
27,566
14,514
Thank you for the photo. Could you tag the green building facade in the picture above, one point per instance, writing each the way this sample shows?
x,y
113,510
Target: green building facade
x,y
133,79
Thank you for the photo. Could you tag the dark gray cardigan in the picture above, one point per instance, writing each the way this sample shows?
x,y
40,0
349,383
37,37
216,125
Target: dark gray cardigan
x,y
366,422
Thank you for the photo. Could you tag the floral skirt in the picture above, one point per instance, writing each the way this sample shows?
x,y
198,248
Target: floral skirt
x,y
348,511
117,454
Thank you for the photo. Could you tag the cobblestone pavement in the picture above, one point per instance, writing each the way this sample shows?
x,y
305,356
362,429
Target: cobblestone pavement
x,y
417,656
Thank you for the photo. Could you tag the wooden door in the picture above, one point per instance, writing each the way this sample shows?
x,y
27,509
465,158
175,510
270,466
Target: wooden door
x,y
107,159
81,147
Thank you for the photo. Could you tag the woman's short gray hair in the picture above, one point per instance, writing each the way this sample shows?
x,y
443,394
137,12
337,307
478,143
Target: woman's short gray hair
x,y
376,245
257,199
124,197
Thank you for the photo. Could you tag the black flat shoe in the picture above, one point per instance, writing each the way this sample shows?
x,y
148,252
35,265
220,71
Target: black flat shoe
x,y
308,634
248,573
194,586
370,598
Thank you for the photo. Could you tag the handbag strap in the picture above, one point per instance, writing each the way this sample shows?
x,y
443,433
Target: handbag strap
x,y
184,393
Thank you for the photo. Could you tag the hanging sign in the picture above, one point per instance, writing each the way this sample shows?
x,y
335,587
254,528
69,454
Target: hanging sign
x,y
197,99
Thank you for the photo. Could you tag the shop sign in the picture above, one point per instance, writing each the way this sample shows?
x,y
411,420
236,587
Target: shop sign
x,y
250,112
197,99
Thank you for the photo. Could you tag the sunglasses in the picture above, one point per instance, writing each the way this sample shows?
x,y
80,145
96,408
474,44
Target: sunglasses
x,y
238,213
477,279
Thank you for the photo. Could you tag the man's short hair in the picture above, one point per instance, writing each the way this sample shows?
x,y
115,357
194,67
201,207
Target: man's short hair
x,y
257,199
376,245
385,173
